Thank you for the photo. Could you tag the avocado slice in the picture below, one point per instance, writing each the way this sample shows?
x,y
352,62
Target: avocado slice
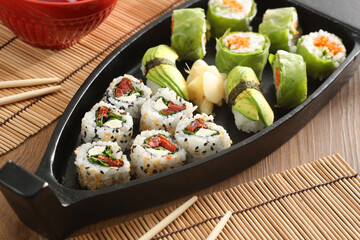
x,y
168,76
164,71
162,52
249,101
252,105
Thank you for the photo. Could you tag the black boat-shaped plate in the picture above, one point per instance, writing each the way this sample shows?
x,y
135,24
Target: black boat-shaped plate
x,y
51,201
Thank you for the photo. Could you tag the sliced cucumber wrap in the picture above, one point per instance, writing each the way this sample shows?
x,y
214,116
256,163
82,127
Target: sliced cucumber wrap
x,y
219,24
189,33
291,85
316,67
226,60
276,25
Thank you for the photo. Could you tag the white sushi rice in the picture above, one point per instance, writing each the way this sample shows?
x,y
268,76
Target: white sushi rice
x,y
256,41
323,52
203,37
131,103
152,85
222,9
245,124
146,161
113,130
152,119
202,143
294,23
94,176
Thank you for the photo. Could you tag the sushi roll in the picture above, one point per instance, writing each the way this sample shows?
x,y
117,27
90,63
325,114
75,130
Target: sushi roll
x,y
159,69
155,152
289,78
242,49
201,137
233,14
105,122
188,36
281,25
249,106
164,110
127,93
101,164
322,51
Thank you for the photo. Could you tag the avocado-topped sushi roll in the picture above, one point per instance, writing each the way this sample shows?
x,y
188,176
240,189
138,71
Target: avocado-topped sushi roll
x,y
164,110
101,164
233,14
154,152
127,93
188,37
242,49
281,25
289,78
322,51
105,122
249,106
201,137
159,68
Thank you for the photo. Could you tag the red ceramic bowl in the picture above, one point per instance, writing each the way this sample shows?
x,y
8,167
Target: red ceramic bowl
x,y
53,24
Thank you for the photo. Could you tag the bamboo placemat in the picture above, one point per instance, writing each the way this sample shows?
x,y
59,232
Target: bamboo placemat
x,y
319,200
73,65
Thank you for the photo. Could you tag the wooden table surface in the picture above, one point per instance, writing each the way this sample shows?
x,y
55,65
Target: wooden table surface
x,y
335,129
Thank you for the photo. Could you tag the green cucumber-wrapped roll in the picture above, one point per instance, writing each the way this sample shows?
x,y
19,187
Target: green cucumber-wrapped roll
x,y
282,27
242,49
159,68
188,36
323,52
249,106
233,14
289,78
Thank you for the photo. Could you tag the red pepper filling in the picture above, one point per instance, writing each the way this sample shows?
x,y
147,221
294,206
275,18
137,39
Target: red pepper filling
x,y
161,141
102,112
172,108
195,125
111,162
124,87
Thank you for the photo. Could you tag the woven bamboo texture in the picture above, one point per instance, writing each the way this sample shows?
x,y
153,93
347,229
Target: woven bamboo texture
x,y
319,200
18,60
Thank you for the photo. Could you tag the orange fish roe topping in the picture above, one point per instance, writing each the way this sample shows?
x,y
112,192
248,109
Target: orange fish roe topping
x,y
238,7
324,41
239,42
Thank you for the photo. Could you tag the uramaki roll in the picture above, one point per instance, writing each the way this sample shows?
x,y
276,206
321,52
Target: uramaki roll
x,y
154,152
101,164
201,137
164,110
127,93
105,122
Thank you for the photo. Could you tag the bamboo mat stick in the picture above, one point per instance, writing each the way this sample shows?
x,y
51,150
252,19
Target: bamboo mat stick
x,y
218,228
28,82
170,218
28,95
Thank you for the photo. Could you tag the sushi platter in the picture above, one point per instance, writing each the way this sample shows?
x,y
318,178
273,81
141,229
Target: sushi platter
x,y
61,196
